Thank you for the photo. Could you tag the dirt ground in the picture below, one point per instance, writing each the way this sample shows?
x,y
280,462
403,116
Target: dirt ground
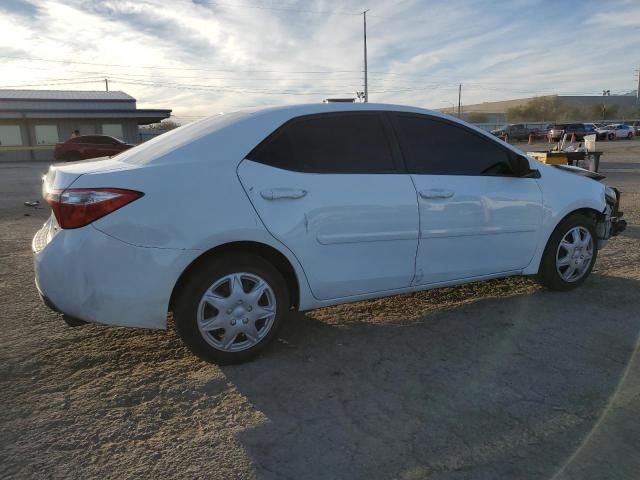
x,y
500,379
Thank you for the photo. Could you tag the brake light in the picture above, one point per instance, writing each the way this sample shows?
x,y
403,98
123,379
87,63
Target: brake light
x,y
77,207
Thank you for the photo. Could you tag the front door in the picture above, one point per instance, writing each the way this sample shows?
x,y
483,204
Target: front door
x,y
329,188
476,218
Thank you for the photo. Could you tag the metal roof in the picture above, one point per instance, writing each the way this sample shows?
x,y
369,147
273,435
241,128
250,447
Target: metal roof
x,y
142,116
65,95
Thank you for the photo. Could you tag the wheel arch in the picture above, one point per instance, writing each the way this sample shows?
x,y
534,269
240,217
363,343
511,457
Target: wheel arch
x,y
269,253
534,264
586,211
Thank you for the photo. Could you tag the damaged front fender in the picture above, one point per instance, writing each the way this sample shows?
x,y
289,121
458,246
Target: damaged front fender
x,y
610,222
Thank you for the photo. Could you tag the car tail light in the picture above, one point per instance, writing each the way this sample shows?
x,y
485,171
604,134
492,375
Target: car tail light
x,y
77,207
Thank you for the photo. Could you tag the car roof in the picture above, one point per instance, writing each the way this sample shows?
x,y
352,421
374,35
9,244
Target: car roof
x,y
249,126
312,108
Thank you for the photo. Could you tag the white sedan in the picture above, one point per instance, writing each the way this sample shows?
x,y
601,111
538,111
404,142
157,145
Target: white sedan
x,y
233,221
612,132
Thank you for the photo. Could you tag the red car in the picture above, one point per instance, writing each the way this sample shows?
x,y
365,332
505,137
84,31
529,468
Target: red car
x,y
89,146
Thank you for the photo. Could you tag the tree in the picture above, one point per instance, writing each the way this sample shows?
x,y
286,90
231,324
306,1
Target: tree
x,y
604,111
537,109
166,125
477,117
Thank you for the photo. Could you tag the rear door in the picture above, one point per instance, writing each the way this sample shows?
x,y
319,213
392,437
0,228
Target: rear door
x,y
329,187
476,218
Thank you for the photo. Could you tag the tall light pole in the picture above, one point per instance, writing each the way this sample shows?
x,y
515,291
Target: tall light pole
x,y
638,88
459,97
366,80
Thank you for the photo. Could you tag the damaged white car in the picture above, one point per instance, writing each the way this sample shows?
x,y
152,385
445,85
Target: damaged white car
x,y
233,221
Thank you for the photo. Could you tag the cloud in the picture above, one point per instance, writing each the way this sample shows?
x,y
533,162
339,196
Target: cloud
x,y
201,56
625,14
23,8
157,24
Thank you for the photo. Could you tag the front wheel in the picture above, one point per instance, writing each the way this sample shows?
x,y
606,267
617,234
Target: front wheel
x,y
570,253
230,308
611,136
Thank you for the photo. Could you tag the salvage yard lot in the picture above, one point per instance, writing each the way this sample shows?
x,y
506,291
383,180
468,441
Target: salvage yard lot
x,y
499,379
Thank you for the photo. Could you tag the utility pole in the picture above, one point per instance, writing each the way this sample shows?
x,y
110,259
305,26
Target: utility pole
x,y
106,84
366,80
459,98
638,88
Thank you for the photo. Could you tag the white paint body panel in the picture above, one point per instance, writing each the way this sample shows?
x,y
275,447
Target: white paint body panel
x,y
353,233
487,225
347,239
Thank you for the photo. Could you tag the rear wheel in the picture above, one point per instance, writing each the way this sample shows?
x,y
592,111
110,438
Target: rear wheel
x,y
611,136
570,253
230,308
630,136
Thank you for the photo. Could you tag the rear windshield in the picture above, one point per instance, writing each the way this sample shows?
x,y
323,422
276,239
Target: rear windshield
x,y
167,142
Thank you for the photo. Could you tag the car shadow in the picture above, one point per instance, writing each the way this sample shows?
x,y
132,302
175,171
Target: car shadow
x,y
493,388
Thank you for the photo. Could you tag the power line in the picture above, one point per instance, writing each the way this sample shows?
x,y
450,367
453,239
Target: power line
x,y
236,70
54,84
351,81
214,88
157,67
292,90
261,7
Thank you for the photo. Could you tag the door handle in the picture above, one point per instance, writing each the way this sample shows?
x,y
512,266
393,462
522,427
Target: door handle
x,y
282,193
436,193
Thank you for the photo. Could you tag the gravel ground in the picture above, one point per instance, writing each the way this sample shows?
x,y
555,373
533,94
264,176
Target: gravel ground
x,y
499,379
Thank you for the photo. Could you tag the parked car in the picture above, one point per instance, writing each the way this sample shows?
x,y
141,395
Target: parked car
x,y
233,221
557,131
515,131
611,132
84,147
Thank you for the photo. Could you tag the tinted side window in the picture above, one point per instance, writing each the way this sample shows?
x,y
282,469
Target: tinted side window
x,y
436,147
329,143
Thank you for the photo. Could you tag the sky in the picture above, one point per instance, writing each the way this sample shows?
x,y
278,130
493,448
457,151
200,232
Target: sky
x,y
201,57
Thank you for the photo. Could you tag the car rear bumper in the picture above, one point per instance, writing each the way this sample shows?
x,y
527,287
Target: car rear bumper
x,y
88,275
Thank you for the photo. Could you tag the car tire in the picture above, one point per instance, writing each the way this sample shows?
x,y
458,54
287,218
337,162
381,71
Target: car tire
x,y
630,136
572,244
233,323
611,136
